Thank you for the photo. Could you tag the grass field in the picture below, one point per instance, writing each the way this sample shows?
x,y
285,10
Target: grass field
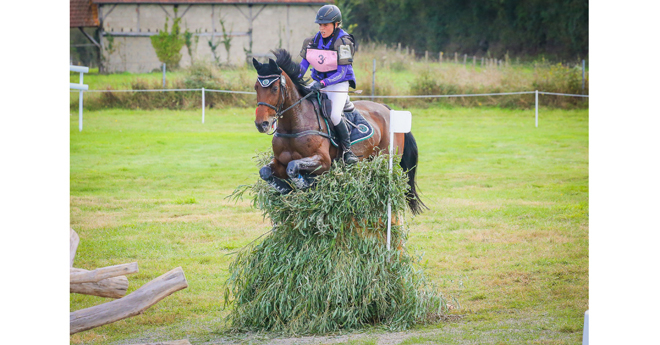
x,y
506,233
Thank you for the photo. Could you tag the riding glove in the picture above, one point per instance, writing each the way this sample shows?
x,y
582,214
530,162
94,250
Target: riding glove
x,y
316,86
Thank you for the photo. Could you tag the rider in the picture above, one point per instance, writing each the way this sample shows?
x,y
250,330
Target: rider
x,y
330,53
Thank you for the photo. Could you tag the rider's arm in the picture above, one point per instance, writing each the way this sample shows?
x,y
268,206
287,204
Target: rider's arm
x,y
304,65
337,76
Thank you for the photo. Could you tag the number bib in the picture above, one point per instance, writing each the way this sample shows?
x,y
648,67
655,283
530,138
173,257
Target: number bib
x,y
322,60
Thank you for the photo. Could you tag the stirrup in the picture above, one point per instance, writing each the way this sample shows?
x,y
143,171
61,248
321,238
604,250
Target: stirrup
x,y
349,157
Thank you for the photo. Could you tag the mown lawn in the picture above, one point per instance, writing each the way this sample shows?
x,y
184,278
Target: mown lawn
x,y
506,233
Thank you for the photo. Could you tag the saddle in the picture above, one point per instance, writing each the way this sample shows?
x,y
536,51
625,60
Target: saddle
x,y
358,127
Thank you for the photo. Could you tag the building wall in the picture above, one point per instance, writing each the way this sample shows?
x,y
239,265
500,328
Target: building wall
x,y
284,26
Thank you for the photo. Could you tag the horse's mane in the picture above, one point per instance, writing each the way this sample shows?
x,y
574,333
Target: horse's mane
x,y
291,68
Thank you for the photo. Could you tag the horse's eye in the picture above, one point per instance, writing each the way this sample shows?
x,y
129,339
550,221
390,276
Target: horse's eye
x,y
275,88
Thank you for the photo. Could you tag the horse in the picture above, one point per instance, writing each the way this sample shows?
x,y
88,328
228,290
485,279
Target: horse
x,y
301,146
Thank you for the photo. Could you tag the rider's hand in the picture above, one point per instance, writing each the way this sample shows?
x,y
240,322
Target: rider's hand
x,y
316,86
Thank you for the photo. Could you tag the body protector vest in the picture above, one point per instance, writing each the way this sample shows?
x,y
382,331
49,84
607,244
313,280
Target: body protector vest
x,y
325,58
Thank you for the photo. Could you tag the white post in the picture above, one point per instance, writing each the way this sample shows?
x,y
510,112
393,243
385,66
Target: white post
x,y
537,107
80,105
401,123
389,176
163,75
585,330
81,87
203,105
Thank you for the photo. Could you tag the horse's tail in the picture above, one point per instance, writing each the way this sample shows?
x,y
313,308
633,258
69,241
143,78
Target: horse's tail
x,y
409,165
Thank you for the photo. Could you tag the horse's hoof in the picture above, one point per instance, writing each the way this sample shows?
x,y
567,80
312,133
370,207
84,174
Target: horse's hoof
x,y
280,185
266,173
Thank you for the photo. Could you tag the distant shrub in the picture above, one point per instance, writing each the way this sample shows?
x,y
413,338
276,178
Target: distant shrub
x,y
397,74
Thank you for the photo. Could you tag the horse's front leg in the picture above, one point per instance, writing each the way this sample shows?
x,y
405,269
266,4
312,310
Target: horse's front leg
x,y
270,173
300,170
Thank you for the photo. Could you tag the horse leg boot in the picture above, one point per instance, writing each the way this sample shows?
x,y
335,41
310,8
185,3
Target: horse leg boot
x,y
299,170
344,141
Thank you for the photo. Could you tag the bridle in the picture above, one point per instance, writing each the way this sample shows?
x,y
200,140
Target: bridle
x,y
279,113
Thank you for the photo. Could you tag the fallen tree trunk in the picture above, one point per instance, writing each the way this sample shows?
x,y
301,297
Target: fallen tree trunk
x,y
173,342
131,305
77,277
114,287
73,245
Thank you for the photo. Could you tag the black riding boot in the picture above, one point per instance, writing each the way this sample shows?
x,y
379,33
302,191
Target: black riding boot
x,y
344,142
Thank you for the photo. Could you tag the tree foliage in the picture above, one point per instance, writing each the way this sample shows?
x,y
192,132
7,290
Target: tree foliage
x,y
559,28
168,44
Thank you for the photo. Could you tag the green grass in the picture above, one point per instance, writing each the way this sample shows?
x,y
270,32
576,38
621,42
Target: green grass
x,y
507,232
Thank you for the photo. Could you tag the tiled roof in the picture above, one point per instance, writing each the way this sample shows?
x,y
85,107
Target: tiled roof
x,y
83,13
297,2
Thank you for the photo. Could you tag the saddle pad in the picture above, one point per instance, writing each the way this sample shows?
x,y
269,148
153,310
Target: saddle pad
x,y
360,132
363,131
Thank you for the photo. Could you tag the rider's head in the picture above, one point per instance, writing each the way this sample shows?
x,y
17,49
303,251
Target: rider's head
x,y
328,18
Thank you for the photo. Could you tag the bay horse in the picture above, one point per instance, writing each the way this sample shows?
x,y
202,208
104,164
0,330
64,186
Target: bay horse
x,y
301,146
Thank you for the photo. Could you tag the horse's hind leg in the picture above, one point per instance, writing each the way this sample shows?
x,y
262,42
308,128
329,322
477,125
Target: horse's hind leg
x,y
266,173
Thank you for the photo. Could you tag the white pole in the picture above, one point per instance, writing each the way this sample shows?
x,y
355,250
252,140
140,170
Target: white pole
x,y
389,200
80,105
537,108
203,105
585,330
163,75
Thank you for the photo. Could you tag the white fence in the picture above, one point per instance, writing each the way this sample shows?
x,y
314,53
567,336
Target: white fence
x,y
80,87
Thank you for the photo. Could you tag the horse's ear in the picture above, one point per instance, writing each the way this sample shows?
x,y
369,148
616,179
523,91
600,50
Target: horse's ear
x,y
256,63
273,65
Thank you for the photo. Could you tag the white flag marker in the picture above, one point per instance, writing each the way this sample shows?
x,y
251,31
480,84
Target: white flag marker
x,y
400,122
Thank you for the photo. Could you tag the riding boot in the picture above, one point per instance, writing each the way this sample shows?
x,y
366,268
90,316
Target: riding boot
x,y
345,143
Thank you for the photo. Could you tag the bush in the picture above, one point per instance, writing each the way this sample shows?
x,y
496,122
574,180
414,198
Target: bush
x,y
325,267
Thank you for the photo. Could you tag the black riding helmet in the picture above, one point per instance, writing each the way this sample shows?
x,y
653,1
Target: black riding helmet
x,y
328,14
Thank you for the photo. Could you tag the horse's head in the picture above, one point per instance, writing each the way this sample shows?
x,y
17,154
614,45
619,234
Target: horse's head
x,y
271,94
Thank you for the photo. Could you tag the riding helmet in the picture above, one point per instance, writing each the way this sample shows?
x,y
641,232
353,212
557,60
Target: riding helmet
x,y
328,14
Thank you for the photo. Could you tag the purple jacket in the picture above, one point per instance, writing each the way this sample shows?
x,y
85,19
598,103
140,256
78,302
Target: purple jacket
x,y
343,72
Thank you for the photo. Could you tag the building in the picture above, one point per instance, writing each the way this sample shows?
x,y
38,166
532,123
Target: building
x,y
236,29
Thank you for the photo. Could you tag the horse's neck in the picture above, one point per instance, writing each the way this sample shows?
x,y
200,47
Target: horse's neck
x,y
300,117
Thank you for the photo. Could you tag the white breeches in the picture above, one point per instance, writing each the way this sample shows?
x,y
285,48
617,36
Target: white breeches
x,y
338,100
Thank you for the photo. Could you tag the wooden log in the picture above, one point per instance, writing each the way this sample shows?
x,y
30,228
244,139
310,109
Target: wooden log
x,y
114,287
77,277
73,245
131,305
173,342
